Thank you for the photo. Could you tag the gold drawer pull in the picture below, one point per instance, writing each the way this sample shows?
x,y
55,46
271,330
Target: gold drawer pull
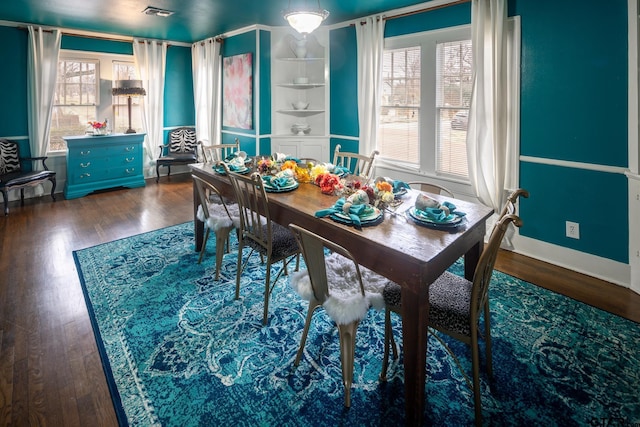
x,y
85,165
130,148
85,175
130,171
129,159
85,153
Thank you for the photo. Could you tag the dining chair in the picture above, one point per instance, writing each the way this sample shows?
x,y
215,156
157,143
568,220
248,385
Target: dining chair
x,y
219,152
259,233
217,216
358,164
182,149
430,187
342,287
455,307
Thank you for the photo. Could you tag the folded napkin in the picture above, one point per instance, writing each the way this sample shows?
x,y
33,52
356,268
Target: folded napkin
x,y
233,167
355,211
341,170
398,186
277,181
439,215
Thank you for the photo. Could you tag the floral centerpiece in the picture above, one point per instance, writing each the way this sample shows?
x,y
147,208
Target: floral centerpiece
x,y
98,128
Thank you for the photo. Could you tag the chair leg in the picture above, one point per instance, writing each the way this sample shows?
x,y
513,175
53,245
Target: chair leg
x,y
313,304
157,173
222,236
239,268
22,196
267,290
487,339
475,366
347,352
204,244
53,187
5,197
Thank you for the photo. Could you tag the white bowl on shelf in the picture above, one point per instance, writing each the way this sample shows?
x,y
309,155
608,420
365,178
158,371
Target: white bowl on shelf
x,y
300,129
301,80
300,105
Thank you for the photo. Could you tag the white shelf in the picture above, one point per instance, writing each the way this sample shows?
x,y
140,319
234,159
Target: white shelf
x,y
301,112
300,59
301,85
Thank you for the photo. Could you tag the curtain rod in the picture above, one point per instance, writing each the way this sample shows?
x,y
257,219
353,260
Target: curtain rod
x,y
424,9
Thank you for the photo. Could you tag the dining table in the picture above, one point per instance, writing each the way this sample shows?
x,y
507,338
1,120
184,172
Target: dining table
x,y
398,248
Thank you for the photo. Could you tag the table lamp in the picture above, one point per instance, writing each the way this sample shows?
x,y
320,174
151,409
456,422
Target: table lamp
x,y
129,88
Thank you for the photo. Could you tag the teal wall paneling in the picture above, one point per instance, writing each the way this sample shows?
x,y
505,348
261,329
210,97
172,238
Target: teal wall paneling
x,y
574,81
265,147
598,201
431,20
343,75
179,104
237,45
265,83
13,120
96,45
247,143
349,145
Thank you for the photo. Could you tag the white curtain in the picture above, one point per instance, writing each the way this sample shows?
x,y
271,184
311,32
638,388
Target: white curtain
x,y
42,63
151,58
370,44
206,88
490,144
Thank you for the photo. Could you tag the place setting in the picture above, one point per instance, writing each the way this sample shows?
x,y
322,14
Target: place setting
x,y
431,213
281,182
237,162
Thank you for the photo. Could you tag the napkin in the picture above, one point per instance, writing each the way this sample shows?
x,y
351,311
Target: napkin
x,y
341,170
277,181
355,211
399,186
439,215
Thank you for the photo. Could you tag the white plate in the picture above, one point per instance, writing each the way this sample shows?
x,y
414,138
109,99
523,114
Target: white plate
x,y
371,217
449,220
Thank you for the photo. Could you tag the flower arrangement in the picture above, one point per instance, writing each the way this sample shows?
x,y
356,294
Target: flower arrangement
x,y
380,193
98,125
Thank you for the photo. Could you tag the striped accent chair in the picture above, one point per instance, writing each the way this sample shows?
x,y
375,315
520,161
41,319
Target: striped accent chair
x,y
182,149
14,176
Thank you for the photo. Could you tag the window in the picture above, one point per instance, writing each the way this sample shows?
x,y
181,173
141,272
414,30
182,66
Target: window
x,y
426,93
75,100
83,94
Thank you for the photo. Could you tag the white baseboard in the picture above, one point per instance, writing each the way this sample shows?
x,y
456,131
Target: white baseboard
x,y
591,265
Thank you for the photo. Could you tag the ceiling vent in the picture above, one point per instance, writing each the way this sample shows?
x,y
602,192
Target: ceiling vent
x,y
155,11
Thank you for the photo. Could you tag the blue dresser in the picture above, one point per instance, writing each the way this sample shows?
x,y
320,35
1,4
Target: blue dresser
x,y
100,162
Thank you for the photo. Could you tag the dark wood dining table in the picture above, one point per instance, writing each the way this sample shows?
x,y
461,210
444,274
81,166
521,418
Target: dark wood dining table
x,y
410,254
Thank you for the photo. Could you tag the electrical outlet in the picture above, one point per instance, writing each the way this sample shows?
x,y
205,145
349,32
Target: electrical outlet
x,y
573,230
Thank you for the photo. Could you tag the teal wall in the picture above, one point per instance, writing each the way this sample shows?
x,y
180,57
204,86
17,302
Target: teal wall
x,y
179,101
238,45
573,106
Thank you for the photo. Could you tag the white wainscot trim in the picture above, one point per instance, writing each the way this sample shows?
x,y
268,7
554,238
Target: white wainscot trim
x,y
591,265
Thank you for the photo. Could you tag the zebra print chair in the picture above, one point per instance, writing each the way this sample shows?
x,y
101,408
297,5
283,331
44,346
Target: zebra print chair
x,y
182,149
13,176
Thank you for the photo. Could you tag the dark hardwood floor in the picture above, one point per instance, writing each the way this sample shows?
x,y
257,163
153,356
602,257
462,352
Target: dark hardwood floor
x,y
50,369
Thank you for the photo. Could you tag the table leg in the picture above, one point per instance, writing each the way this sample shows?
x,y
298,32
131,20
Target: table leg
x,y
472,256
415,315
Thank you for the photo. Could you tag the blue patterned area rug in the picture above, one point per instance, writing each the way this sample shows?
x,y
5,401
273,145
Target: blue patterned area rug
x,y
179,350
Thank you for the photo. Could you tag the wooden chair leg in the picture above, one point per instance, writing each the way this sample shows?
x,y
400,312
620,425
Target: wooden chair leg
x,y
347,353
222,237
267,290
487,340
475,366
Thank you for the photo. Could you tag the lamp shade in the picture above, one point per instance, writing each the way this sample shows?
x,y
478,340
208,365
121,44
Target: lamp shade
x,y
305,21
128,88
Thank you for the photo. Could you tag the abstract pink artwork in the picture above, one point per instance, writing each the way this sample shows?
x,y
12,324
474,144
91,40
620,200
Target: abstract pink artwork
x,y
237,88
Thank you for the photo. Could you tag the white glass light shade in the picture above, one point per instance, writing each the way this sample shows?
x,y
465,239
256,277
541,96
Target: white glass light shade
x,y
305,22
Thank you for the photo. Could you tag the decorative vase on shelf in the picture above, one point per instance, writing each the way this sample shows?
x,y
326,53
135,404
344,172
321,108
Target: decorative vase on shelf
x,y
299,47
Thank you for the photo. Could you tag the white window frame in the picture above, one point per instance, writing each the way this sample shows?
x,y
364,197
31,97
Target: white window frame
x,y
104,98
427,41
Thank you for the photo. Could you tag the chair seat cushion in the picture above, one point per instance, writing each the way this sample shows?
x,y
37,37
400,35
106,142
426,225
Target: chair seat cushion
x,y
449,300
345,303
18,178
178,157
283,242
218,217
